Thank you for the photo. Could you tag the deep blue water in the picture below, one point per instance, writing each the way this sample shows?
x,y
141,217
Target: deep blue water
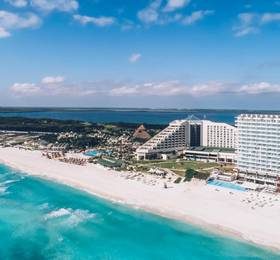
x,y
113,116
44,220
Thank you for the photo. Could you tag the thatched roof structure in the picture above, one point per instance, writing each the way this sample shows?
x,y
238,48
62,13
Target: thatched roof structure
x,y
141,133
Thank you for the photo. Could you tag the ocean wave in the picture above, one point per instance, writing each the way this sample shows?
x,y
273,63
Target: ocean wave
x,y
44,205
3,190
5,185
73,217
79,216
8,182
58,213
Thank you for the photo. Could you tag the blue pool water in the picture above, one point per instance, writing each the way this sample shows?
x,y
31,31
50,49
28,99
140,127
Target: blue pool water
x,y
227,185
44,220
95,153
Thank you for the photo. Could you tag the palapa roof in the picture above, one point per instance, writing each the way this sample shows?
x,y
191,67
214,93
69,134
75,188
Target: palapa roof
x,y
141,133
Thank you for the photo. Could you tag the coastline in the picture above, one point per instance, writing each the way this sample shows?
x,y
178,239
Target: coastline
x,y
194,203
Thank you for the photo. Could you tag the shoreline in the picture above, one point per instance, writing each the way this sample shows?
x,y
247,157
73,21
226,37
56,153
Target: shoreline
x,y
193,203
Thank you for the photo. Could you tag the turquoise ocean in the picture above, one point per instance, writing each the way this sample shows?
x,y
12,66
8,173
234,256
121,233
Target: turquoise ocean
x,y
45,220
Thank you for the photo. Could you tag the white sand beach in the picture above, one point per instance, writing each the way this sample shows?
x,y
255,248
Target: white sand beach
x,y
253,217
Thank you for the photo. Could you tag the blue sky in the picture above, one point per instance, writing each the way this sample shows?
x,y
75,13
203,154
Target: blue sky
x,y
145,53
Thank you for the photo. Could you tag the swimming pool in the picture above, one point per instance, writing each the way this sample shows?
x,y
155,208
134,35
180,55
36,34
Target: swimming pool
x,y
95,153
227,185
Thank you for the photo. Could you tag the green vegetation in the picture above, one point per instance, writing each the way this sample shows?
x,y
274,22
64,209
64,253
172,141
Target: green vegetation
x,y
190,173
179,165
58,126
178,180
197,169
45,125
110,162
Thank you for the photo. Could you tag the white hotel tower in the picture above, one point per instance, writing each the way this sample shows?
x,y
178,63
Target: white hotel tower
x,y
191,132
258,150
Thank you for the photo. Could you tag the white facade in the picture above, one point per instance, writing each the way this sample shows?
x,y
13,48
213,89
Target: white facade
x,y
218,135
258,150
181,134
170,139
211,155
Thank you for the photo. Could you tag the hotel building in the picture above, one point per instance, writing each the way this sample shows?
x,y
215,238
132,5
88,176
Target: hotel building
x,y
183,134
258,149
218,135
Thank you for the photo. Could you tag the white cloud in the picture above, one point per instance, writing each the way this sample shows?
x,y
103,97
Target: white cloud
x,y
177,88
150,14
259,88
245,31
175,4
124,91
4,33
24,89
52,80
17,3
246,24
168,88
56,5
134,57
250,23
246,18
98,21
12,21
155,13
196,16
52,86
270,17
56,86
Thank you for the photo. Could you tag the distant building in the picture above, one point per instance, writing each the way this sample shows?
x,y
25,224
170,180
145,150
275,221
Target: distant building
x,y
258,150
191,132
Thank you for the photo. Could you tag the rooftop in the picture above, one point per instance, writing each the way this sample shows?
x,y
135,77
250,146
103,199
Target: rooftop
x,y
212,149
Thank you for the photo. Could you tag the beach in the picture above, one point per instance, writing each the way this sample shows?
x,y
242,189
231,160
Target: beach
x,y
220,210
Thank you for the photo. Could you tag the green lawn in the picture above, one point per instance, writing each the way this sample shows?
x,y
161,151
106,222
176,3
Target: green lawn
x,y
181,165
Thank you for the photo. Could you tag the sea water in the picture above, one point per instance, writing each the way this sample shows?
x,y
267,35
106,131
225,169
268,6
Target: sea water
x,y
44,220
116,116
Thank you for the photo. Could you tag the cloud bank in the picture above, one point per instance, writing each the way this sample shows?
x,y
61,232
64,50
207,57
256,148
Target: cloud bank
x,y
57,86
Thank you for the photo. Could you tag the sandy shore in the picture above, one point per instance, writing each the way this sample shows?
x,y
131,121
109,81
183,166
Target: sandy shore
x,y
243,214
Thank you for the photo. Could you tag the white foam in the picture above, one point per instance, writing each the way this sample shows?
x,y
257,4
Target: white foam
x,y
58,213
79,216
74,216
3,190
8,182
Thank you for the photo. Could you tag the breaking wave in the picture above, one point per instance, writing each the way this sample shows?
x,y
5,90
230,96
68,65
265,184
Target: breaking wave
x,y
73,217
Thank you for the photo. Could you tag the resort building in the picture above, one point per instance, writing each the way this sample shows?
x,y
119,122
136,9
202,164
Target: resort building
x,y
258,150
218,135
208,154
183,134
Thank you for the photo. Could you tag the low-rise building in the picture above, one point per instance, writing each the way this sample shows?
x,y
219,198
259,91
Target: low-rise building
x,y
207,154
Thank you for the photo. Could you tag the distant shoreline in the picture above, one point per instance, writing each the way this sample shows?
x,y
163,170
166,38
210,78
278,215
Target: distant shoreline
x,y
194,203
7,109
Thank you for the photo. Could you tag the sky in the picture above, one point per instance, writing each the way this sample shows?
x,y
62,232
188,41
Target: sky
x,y
144,53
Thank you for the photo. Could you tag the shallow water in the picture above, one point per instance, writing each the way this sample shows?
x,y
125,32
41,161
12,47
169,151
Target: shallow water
x,y
44,220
